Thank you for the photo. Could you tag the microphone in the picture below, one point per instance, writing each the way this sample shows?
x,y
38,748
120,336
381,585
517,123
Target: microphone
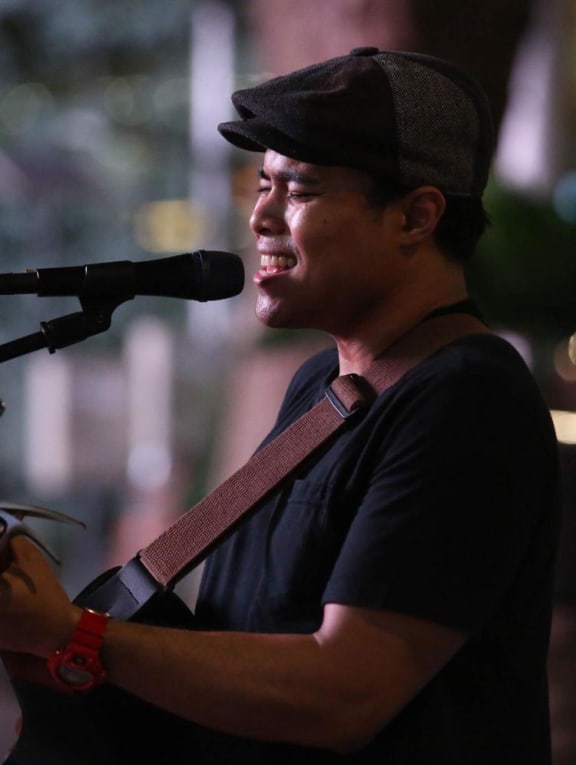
x,y
202,275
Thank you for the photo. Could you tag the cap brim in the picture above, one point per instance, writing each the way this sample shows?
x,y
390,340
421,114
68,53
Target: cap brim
x,y
252,134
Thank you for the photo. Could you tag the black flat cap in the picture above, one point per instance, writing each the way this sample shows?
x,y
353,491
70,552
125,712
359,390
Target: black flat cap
x,y
412,118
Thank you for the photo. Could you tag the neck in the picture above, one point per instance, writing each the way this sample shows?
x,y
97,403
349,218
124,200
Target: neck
x,y
356,352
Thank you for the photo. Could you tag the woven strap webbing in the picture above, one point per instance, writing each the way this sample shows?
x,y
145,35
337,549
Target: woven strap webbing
x,y
189,539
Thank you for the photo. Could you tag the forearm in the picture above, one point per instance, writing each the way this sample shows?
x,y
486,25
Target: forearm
x,y
270,687
334,689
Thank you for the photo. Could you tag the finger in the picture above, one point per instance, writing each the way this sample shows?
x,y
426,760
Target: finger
x,y
26,552
22,546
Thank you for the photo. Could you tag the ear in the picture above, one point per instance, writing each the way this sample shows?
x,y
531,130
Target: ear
x,y
422,209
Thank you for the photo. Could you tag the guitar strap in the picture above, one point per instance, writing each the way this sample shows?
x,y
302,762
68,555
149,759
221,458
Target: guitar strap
x,y
182,546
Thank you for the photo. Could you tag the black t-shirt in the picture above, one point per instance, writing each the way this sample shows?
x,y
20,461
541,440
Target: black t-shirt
x,y
439,502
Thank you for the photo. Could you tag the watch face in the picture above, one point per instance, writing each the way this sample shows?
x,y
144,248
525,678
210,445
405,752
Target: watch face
x,y
75,672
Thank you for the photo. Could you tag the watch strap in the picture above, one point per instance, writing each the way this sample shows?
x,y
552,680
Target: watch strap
x,y
78,665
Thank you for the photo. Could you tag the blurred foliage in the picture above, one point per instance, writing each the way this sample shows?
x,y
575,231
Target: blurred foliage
x,y
60,42
524,274
93,123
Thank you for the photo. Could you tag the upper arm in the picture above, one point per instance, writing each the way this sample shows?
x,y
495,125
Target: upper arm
x,y
381,661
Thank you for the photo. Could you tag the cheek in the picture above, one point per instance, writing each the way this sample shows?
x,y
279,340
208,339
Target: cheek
x,y
320,230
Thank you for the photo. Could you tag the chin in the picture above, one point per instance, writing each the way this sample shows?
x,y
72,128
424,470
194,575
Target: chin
x,y
270,315
275,320
279,316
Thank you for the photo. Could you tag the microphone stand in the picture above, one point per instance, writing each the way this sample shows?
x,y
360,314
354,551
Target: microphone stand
x,y
95,317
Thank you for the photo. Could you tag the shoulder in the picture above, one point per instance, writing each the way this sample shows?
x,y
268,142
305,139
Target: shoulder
x,y
487,364
487,356
475,390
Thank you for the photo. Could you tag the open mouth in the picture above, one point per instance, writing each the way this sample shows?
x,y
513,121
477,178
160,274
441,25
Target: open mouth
x,y
272,264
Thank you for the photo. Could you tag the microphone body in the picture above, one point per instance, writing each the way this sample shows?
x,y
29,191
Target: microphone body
x,y
202,275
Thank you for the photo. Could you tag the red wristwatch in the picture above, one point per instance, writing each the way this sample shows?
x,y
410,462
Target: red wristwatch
x,y
77,666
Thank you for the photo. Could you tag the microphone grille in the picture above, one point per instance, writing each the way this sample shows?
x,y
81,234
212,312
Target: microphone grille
x,y
221,274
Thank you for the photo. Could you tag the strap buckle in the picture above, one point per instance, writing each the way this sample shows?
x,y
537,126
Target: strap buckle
x,y
353,394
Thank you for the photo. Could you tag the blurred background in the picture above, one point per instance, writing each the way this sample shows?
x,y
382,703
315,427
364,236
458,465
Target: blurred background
x,y
109,151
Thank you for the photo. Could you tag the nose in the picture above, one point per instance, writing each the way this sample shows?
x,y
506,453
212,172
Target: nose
x,y
268,215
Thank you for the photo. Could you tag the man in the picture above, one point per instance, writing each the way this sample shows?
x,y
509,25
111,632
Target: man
x,y
392,603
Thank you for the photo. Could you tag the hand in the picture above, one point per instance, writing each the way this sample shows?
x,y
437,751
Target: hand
x,y
36,615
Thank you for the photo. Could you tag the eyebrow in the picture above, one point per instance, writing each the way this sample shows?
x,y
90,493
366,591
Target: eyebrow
x,y
287,176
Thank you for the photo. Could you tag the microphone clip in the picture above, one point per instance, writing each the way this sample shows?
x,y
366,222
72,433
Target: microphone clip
x,y
96,317
75,327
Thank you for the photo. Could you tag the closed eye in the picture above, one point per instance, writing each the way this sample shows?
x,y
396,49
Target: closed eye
x,y
300,195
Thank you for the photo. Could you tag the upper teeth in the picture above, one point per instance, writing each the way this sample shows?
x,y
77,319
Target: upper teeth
x,y
277,261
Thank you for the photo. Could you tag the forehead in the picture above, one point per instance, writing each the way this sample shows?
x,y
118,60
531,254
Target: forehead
x,y
280,168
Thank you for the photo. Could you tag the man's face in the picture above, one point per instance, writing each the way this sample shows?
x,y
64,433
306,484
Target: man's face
x,y
329,260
